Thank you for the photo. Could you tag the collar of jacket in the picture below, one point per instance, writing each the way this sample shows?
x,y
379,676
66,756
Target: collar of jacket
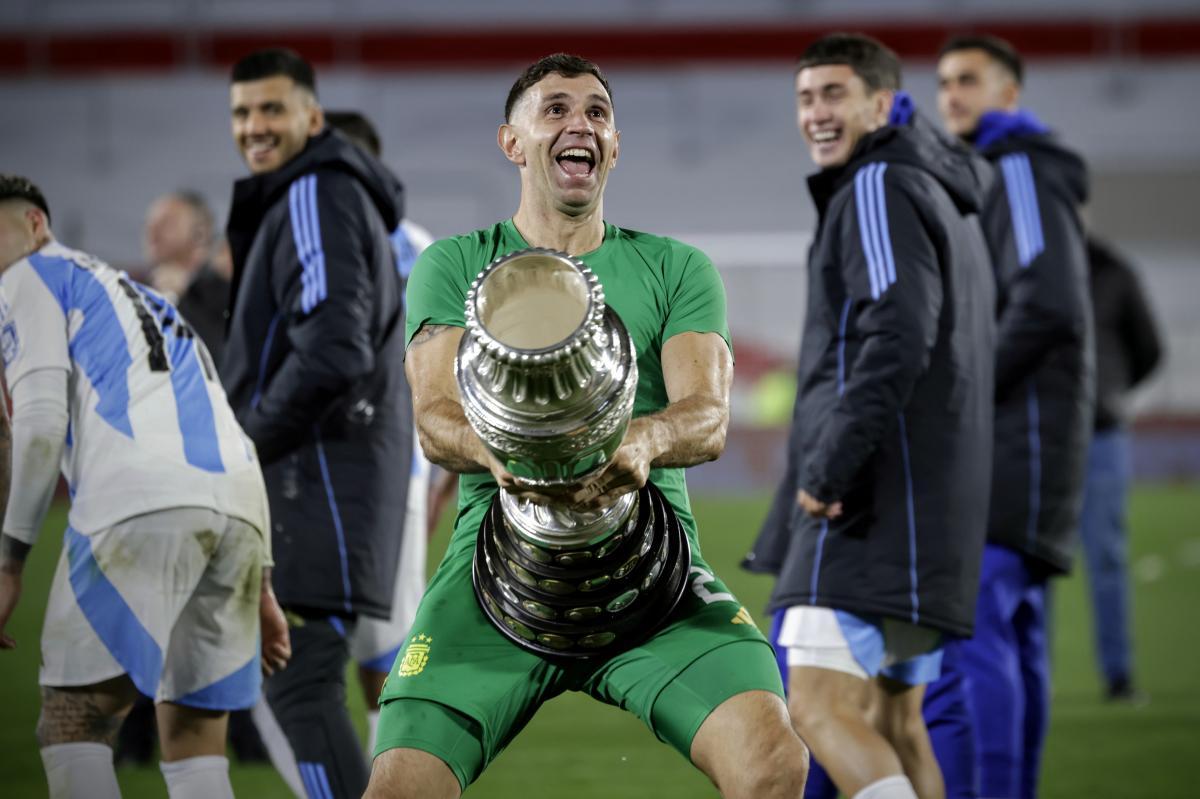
x,y
330,150
903,109
909,138
254,195
996,126
824,184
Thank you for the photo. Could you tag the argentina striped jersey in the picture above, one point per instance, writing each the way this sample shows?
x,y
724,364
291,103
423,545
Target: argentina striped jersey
x,y
149,426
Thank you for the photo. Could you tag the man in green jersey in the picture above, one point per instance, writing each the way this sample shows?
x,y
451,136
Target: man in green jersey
x,y
706,682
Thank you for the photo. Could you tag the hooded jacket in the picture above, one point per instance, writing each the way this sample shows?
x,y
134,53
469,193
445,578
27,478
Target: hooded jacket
x,y
1045,361
314,370
1128,344
893,414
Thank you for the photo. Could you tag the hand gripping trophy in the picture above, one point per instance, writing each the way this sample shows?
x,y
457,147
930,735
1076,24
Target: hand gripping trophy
x,y
547,375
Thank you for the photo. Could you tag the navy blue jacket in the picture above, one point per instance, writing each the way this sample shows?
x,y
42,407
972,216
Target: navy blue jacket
x,y
894,401
314,371
1045,360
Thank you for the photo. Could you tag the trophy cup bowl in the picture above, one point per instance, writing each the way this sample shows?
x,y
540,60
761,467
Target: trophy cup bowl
x,y
547,374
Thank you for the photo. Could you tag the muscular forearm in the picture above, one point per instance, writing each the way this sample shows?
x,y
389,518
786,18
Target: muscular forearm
x,y
685,433
446,435
448,439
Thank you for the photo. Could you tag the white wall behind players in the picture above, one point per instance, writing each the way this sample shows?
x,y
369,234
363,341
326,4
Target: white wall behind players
x,y
706,152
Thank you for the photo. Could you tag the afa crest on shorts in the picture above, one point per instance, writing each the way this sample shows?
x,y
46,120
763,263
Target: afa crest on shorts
x,y
415,657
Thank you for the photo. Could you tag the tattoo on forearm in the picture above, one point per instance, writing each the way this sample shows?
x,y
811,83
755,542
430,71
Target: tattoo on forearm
x,y
76,716
428,332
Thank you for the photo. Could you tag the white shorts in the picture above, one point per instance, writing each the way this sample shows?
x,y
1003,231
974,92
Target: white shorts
x,y
375,643
169,598
864,646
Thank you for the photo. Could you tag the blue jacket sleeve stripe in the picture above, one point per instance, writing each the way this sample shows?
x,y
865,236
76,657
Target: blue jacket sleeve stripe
x,y
862,202
873,227
319,288
299,236
306,231
885,237
1023,205
842,347
1036,239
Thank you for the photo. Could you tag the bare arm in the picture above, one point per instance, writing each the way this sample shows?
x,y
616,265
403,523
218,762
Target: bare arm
x,y
446,436
12,551
698,371
5,451
276,640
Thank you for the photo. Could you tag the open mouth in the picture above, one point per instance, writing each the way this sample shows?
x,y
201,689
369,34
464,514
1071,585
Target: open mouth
x,y
258,150
826,138
576,161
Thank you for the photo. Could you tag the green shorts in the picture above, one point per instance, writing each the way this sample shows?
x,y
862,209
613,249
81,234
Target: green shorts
x,y
462,691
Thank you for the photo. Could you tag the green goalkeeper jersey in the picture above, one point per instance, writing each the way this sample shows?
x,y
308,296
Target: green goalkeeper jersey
x,y
659,287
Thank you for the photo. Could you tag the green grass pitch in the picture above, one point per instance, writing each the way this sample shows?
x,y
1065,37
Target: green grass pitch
x,y
581,749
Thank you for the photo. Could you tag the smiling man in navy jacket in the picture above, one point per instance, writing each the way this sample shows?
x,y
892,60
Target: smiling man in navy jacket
x,y
1044,401
893,423
314,371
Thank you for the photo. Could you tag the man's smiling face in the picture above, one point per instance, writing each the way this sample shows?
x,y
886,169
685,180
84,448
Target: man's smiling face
x,y
834,110
272,119
563,136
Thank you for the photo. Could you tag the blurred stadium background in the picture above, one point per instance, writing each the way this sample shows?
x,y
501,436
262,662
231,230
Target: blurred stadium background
x,y
108,103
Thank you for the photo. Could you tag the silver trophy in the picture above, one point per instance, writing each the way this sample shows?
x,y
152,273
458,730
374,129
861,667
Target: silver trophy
x,y
547,373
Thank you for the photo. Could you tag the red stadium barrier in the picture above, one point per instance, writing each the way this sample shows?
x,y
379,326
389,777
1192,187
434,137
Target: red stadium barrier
x,y
465,48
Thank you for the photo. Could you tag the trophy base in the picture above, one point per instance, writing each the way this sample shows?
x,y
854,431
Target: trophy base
x,y
588,602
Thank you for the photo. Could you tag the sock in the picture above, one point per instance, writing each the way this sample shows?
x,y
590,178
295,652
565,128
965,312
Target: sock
x,y
78,770
897,787
198,778
372,732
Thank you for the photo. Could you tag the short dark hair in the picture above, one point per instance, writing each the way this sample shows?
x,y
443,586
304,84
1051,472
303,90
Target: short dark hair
x,y
998,49
569,66
870,59
357,128
275,61
15,187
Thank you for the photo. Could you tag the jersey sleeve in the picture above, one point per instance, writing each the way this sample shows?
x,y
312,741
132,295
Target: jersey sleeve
x,y
40,420
696,302
890,269
33,326
437,288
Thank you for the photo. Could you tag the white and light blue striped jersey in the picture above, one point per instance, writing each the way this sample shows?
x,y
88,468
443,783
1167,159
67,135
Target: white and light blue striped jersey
x,y
149,425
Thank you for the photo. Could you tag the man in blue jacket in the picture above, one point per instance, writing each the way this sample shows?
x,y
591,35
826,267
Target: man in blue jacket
x,y
892,437
314,371
1043,403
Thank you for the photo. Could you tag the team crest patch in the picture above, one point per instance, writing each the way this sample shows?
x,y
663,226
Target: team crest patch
x,y
9,342
415,657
